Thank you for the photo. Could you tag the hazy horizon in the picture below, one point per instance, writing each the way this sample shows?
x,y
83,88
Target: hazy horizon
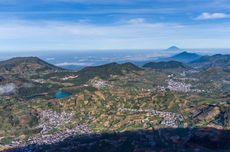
x,y
80,59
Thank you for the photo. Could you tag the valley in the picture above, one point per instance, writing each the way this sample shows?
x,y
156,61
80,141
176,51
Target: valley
x,y
41,104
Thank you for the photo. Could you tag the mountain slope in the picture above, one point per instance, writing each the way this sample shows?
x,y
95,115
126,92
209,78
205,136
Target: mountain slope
x,y
173,48
26,65
216,61
165,65
104,71
185,57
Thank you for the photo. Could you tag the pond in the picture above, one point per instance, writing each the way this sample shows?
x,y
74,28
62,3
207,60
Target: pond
x,y
61,94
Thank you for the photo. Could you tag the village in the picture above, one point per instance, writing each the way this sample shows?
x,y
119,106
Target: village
x,y
59,136
169,119
49,120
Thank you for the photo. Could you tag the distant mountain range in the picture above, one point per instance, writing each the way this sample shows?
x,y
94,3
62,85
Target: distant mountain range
x,y
185,57
192,60
217,61
34,65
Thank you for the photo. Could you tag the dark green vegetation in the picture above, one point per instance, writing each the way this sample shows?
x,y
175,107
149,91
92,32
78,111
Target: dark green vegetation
x,y
26,65
17,118
165,65
216,61
22,72
105,71
119,98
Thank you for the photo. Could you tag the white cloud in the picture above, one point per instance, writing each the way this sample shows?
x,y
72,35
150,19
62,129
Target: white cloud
x,y
136,21
45,35
73,64
8,88
24,35
208,16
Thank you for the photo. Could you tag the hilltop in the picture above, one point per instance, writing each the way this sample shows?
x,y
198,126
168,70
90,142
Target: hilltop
x,y
17,76
184,57
26,65
165,65
173,48
105,71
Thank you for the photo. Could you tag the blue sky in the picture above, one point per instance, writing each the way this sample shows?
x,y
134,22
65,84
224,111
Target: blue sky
x,y
30,25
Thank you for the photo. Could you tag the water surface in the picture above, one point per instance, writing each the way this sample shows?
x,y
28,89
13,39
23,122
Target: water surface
x,y
61,94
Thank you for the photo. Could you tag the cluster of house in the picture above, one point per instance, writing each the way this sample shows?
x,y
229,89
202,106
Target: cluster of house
x,y
42,81
69,77
51,119
170,119
98,83
182,86
59,136
179,86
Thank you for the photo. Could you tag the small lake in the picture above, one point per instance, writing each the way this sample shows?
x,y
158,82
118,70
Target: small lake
x,y
61,94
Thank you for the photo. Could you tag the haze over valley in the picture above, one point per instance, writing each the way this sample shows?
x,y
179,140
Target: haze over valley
x,y
76,60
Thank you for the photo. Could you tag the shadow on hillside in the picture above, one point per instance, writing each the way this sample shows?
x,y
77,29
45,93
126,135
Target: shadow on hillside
x,y
164,140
